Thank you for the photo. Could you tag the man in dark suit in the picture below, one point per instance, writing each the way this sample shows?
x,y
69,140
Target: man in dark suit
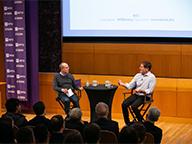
x,y
13,108
102,111
74,121
152,117
57,128
39,119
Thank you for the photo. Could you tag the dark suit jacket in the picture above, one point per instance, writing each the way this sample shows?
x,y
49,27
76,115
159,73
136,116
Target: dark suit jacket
x,y
154,130
19,119
75,124
39,120
109,125
56,138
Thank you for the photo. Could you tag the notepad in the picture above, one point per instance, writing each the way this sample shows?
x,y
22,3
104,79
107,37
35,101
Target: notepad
x,y
69,93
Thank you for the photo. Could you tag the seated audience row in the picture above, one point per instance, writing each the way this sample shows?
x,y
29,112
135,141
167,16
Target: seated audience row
x,y
14,128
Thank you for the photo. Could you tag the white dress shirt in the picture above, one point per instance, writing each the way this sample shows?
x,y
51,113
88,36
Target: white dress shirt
x,y
143,82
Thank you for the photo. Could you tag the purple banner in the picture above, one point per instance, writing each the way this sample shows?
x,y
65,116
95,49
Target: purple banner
x,y
15,49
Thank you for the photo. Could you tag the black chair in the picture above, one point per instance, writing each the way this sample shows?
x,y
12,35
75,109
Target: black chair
x,y
149,138
108,137
143,108
77,92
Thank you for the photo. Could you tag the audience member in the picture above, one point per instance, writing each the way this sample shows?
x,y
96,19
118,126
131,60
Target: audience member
x,y
140,131
92,133
153,116
74,137
39,119
102,111
41,134
57,127
128,135
25,135
6,131
13,108
74,121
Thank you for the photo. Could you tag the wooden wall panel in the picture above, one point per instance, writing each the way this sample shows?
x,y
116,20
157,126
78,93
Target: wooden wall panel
x,y
184,98
47,94
171,96
165,96
123,59
186,61
79,56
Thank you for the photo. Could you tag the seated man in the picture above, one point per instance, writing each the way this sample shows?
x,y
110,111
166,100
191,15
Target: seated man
x,y
92,133
57,128
144,83
74,121
13,108
64,84
39,119
102,111
153,116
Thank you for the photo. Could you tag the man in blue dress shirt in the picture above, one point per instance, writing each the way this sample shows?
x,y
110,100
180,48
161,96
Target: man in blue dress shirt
x,y
143,84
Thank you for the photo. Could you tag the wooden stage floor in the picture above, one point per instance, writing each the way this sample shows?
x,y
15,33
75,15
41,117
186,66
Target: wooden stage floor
x,y
175,130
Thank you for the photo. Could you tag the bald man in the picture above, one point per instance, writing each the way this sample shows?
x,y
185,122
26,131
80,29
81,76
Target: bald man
x,y
102,111
63,83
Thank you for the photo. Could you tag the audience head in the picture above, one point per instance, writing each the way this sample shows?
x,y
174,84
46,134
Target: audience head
x,y
73,137
13,105
92,133
39,108
64,68
57,123
144,67
25,135
102,110
128,135
153,114
140,130
41,134
6,131
75,113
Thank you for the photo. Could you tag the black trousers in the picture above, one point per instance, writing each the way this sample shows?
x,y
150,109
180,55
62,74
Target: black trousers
x,y
134,101
66,101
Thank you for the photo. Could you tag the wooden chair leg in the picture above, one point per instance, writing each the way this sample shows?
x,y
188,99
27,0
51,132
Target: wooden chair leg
x,y
145,111
60,103
132,113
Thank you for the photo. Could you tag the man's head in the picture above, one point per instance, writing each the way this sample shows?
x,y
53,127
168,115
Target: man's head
x,y
75,113
57,123
144,67
39,108
64,68
102,110
128,135
153,114
12,105
140,130
92,133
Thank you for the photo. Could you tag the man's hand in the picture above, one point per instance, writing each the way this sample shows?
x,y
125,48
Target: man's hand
x,y
64,90
139,91
121,83
80,88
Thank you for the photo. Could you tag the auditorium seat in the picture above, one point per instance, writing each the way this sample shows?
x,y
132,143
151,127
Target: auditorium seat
x,y
108,137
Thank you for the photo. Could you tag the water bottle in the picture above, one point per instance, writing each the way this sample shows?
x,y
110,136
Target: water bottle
x,y
87,84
